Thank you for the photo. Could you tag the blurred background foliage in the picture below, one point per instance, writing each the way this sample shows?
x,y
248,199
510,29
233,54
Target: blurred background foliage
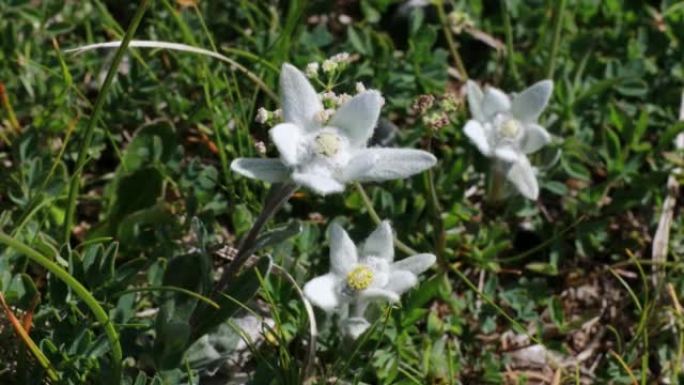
x,y
572,276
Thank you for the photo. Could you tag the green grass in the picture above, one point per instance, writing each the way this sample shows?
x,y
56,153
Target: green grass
x,y
116,194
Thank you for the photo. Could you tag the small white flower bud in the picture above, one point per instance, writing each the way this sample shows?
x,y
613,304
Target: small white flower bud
x,y
324,115
345,19
312,70
360,87
328,96
342,99
329,65
262,115
342,57
260,147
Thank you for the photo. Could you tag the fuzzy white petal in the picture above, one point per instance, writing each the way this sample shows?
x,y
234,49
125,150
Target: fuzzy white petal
x,y
355,326
300,102
522,176
380,243
529,104
401,281
494,102
377,294
475,97
507,153
320,184
359,165
287,138
357,118
396,163
535,138
268,170
415,264
322,292
343,255
476,133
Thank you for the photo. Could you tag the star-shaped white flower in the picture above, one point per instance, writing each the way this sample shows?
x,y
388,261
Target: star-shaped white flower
x,y
506,128
324,156
364,274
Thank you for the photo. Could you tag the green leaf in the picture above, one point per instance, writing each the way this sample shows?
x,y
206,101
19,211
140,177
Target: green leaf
x,y
136,191
21,291
277,236
556,312
191,272
242,219
151,144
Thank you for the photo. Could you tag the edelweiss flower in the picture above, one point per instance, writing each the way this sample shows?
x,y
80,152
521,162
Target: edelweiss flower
x,y
365,274
506,128
324,154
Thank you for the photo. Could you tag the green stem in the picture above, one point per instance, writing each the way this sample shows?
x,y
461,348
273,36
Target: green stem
x,y
436,211
81,292
497,181
175,289
74,185
277,197
376,218
453,48
491,302
560,10
510,52
438,222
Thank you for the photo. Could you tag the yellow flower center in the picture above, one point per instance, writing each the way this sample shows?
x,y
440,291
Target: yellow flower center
x,y
328,144
360,278
510,128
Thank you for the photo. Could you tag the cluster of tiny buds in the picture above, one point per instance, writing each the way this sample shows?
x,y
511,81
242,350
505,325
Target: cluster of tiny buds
x,y
422,104
332,101
436,120
435,111
260,147
329,65
459,21
265,116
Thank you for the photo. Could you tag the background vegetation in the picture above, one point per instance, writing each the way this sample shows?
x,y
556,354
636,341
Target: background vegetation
x,y
564,290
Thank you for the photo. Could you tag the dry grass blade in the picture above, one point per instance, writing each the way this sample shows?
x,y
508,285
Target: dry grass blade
x,y
624,366
183,48
23,334
661,238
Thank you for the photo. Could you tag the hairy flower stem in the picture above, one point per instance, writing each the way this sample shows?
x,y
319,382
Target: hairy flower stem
x,y
497,180
436,209
376,218
277,197
438,222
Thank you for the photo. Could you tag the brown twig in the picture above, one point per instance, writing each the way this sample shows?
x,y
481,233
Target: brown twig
x,y
11,116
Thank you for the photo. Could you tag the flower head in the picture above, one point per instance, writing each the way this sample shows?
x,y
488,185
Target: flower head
x,y
506,128
364,274
324,149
